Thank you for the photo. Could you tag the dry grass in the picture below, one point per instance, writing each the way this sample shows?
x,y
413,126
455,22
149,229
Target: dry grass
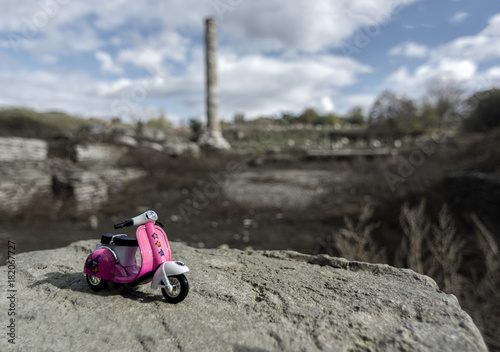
x,y
415,227
439,254
434,249
355,242
446,250
481,298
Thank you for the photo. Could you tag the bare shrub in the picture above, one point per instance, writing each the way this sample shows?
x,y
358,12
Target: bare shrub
x,y
447,252
416,227
435,250
438,253
356,241
482,298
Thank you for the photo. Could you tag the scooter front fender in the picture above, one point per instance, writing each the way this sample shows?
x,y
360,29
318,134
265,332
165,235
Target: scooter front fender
x,y
168,269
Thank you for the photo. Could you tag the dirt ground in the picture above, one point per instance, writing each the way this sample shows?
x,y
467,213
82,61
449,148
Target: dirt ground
x,y
287,206
272,209
270,201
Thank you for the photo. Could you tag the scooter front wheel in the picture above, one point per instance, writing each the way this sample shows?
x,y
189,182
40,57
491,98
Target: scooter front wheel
x,y
96,283
180,289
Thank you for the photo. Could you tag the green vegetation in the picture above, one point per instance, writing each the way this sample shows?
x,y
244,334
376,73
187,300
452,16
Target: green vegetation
x,y
484,111
159,123
355,116
31,124
396,116
21,122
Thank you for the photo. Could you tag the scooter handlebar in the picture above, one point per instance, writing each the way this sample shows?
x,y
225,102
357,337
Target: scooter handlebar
x,y
126,223
144,218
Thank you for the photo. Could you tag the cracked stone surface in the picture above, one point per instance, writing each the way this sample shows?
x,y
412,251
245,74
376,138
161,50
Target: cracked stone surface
x,y
238,301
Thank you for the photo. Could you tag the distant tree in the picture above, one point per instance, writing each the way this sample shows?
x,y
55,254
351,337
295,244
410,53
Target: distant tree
x,y
328,119
287,118
309,116
159,123
263,121
239,118
393,115
392,106
446,95
428,117
139,127
484,110
196,129
355,116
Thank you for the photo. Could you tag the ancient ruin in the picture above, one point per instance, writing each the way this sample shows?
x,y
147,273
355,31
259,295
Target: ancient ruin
x,y
212,136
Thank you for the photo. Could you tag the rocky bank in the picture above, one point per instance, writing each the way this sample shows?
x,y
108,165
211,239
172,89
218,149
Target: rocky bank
x,y
238,301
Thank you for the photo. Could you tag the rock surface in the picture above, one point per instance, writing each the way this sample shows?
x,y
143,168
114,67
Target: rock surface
x,y
90,186
99,153
238,301
22,149
23,171
214,140
20,181
26,171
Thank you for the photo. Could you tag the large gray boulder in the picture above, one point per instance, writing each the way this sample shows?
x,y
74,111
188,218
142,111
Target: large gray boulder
x,y
23,171
238,301
99,153
22,149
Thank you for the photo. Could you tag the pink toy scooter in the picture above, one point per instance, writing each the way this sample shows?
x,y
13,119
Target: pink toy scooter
x,y
113,262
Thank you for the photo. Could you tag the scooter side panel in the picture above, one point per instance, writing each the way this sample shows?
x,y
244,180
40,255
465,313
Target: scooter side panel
x,y
100,263
161,250
154,246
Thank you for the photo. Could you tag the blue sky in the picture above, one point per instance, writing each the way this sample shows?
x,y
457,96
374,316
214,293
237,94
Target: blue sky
x,y
132,59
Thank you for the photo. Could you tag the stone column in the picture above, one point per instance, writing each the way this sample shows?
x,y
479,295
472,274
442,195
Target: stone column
x,y
211,73
212,137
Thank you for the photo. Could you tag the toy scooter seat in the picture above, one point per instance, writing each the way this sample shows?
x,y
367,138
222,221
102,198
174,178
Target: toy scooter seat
x,y
120,240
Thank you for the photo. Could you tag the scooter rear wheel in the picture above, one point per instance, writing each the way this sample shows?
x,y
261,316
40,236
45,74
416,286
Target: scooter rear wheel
x,y
96,283
180,289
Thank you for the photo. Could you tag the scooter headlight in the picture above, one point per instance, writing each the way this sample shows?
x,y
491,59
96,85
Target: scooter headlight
x,y
151,215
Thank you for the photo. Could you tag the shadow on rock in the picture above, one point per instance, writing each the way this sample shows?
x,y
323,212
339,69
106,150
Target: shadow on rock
x,y
240,348
76,282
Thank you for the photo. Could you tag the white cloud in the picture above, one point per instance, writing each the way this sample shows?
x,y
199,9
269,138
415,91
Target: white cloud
x,y
264,85
146,57
49,90
414,84
157,50
107,63
459,17
273,56
410,49
363,100
304,25
49,59
251,26
481,47
326,105
459,59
